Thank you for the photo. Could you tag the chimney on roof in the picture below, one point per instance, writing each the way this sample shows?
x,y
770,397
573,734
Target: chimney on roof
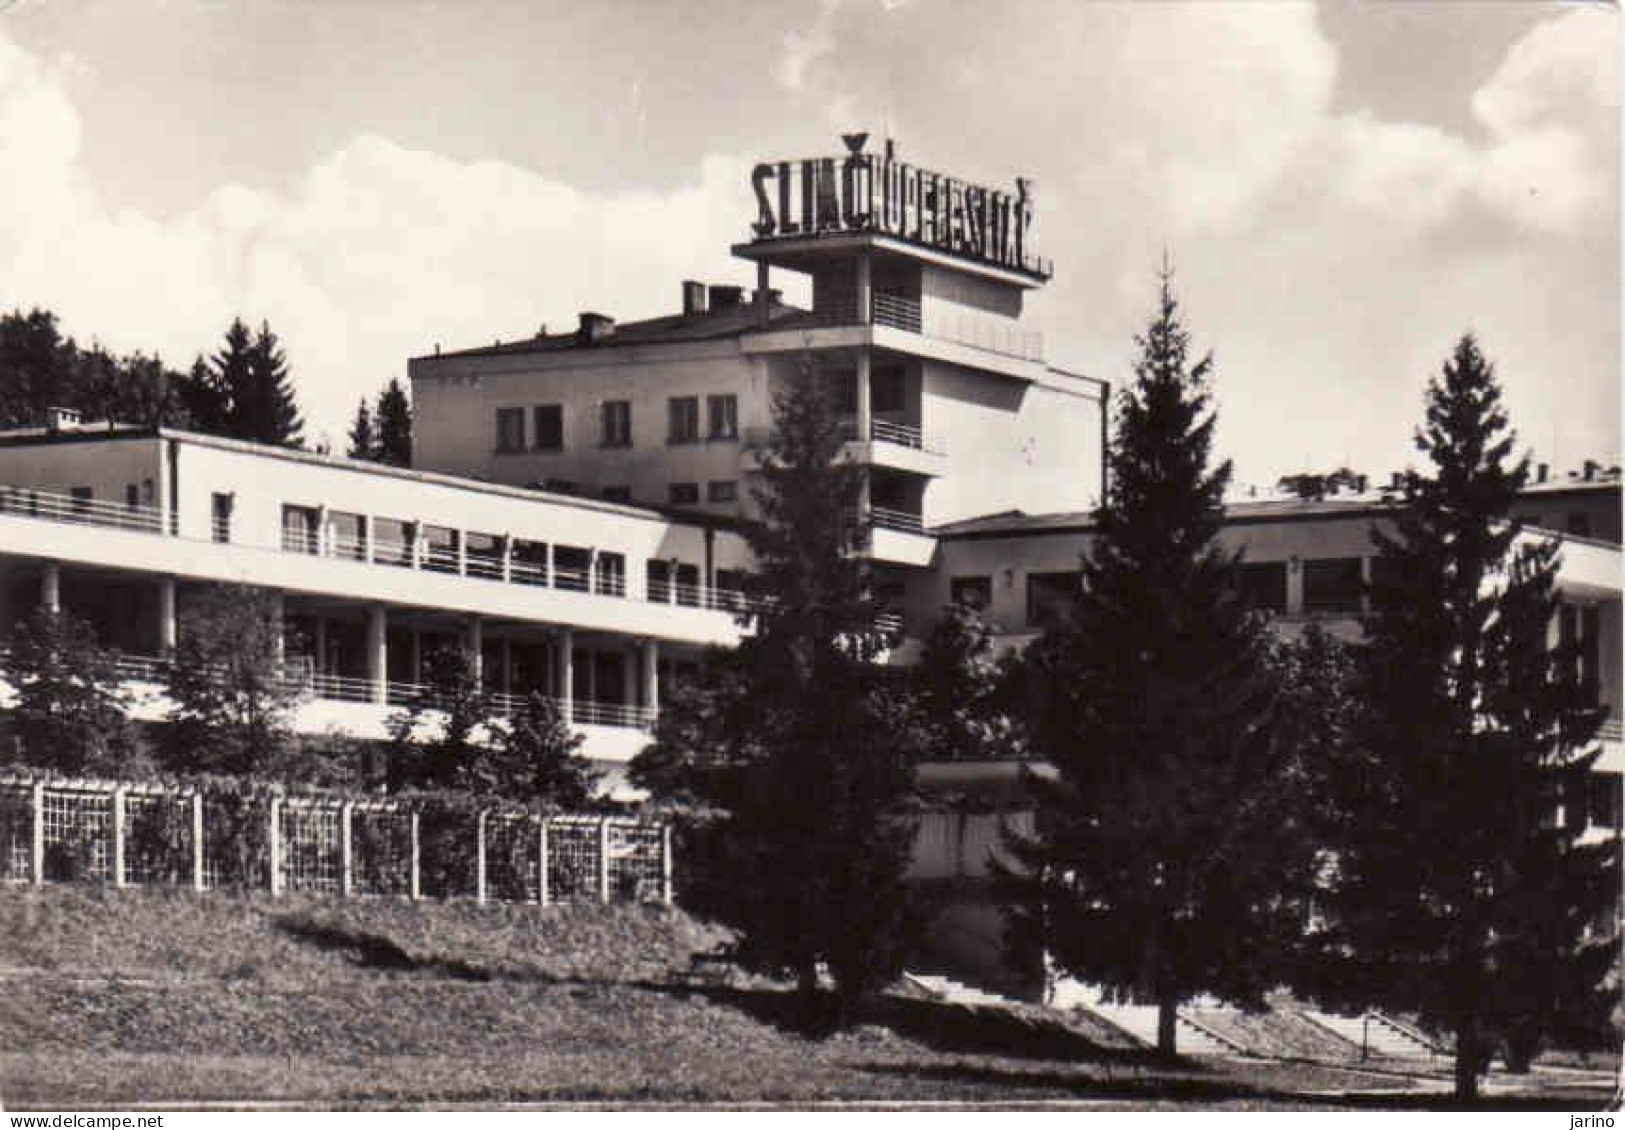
x,y
693,297
1543,471
595,328
1591,470
1361,483
725,297
61,420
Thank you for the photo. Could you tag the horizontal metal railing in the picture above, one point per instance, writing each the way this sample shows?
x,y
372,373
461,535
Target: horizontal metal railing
x,y
52,507
701,596
409,554
944,321
901,520
1612,729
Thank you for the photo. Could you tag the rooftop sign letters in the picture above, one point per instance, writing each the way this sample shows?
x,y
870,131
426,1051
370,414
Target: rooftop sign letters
x,y
866,192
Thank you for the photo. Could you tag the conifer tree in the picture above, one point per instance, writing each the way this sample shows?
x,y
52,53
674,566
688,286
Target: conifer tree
x,y
797,746
393,421
1457,895
536,756
1160,869
69,709
270,414
363,443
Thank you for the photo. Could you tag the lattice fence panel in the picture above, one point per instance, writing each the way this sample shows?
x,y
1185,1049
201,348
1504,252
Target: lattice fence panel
x,y
636,869
157,838
236,834
510,857
572,860
381,851
78,834
312,838
16,833
447,852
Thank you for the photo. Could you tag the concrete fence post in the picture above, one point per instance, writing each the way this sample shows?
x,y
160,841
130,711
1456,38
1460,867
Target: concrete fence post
x,y
36,851
118,835
479,856
274,844
665,864
416,891
603,859
197,841
542,892
346,849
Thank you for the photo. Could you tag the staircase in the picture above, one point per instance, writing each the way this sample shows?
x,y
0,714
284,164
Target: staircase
x,y
1376,1034
1191,1038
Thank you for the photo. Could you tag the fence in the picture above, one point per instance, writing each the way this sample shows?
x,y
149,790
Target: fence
x,y
139,835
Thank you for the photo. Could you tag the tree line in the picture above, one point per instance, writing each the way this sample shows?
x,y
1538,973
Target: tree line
x,y
243,390
1231,812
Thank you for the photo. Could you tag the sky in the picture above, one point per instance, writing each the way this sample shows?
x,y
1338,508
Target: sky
x,y
1343,189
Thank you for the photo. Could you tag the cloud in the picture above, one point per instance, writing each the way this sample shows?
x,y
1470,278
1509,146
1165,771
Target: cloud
x,y
375,254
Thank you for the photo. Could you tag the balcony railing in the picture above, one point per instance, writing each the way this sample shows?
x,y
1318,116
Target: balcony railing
x,y
700,596
1612,729
901,520
429,557
78,511
944,321
902,435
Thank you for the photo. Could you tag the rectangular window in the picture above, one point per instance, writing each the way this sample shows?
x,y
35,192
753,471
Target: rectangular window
x,y
549,431
440,544
484,553
975,593
610,578
684,494
1050,597
657,578
510,429
571,566
886,390
220,517
528,562
688,584
349,535
617,494
393,541
82,498
729,589
683,419
1332,585
617,419
299,529
724,416
721,490
1263,585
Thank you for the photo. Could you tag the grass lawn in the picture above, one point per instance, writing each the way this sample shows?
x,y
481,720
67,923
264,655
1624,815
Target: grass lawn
x,y
163,998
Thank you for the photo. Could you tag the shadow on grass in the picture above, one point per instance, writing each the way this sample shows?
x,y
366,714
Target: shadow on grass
x,y
374,951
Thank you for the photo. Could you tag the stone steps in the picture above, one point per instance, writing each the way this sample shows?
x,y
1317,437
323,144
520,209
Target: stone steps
x,y
1376,1034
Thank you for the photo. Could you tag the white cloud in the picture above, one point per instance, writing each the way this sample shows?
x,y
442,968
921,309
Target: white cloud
x,y
376,254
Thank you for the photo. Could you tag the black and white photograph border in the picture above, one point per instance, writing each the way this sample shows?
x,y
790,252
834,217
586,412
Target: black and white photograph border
x,y
839,555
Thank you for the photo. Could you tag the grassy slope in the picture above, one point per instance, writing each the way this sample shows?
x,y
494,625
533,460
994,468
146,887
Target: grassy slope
x,y
114,998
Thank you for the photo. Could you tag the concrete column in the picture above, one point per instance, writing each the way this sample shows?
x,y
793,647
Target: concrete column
x,y
320,645
566,673
551,580
475,647
763,309
629,676
324,536
118,836
651,674
865,290
507,558
1294,587
417,656
197,841
279,622
168,618
507,665
378,652
367,538
865,403
50,590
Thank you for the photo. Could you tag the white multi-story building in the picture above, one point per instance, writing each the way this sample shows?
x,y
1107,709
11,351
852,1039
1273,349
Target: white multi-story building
x,y
573,516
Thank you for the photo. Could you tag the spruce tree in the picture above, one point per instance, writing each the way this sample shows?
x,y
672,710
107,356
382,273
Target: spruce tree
x,y
1161,868
271,413
393,421
203,396
363,443
1458,896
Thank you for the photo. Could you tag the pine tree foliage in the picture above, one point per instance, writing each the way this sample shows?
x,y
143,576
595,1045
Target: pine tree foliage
x,y
231,699
68,711
1162,869
363,441
796,744
393,421
1458,896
